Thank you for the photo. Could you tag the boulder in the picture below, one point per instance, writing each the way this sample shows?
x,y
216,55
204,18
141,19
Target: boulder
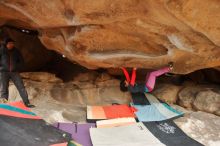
x,y
167,92
187,96
135,33
208,101
201,126
201,98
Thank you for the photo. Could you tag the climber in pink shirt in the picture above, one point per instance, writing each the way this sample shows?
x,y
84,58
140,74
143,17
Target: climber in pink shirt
x,y
130,85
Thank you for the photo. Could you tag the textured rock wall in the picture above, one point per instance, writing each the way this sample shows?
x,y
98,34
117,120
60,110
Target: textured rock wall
x,y
58,101
142,33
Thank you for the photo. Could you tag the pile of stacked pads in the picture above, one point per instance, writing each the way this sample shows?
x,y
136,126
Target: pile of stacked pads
x,y
21,127
145,122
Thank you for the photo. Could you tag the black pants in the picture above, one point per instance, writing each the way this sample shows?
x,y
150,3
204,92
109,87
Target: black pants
x,y
16,78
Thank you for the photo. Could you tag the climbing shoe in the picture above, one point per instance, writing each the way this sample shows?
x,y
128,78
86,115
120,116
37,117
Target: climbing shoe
x,y
169,74
3,100
29,105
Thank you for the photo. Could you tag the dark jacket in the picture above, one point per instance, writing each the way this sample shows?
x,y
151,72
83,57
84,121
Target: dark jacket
x,y
10,60
138,87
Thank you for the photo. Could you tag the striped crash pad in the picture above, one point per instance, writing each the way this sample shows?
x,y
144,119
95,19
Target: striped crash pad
x,y
24,128
155,110
79,132
109,112
142,134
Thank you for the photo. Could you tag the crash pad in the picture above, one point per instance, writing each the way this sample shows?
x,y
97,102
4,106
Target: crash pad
x,y
17,109
109,112
155,110
79,132
95,113
170,134
118,111
139,99
115,122
24,128
131,135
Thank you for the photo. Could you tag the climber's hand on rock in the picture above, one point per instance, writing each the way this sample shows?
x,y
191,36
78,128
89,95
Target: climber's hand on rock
x,y
170,65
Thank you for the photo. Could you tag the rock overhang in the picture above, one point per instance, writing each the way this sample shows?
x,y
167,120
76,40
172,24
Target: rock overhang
x,y
106,34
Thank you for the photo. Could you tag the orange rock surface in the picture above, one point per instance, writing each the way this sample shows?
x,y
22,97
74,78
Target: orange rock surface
x,y
131,33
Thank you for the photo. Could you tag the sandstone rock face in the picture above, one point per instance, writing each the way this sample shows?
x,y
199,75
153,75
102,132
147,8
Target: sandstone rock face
x,y
92,88
208,101
141,33
42,77
187,96
201,126
203,98
167,92
57,101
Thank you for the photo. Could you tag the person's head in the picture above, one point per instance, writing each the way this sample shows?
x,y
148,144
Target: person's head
x,y
124,85
9,43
